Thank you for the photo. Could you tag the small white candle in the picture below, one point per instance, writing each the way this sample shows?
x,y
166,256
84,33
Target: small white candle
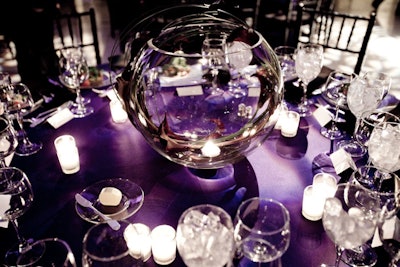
x,y
163,244
210,149
324,184
289,123
67,154
118,113
313,204
138,240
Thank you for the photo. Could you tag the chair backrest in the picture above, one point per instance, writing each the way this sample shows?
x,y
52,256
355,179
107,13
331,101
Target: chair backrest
x,y
77,29
334,30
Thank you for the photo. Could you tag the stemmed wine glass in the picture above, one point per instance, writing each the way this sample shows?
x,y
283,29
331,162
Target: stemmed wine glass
x,y
18,101
383,146
364,95
308,63
350,219
335,89
286,59
262,230
8,141
213,52
74,71
16,192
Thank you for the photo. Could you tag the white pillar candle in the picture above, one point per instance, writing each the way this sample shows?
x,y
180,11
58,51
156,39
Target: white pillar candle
x,y
138,240
289,123
163,244
313,204
118,113
67,154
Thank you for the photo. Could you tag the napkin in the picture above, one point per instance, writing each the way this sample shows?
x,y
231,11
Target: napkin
x,y
60,118
4,206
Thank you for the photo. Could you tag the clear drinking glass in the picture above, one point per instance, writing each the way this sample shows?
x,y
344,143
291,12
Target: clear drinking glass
x,y
8,141
56,252
74,71
104,247
205,236
309,60
350,219
364,95
18,101
335,89
16,190
262,230
286,59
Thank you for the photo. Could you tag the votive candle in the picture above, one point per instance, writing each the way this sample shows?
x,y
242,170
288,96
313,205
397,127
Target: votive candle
x,y
163,244
118,113
313,204
289,123
138,240
67,154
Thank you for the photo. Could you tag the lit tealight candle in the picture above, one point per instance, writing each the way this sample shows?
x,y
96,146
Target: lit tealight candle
x,y
289,123
324,184
313,204
210,149
163,244
138,240
67,154
118,113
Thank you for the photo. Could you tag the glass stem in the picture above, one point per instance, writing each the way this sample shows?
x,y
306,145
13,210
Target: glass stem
x,y
304,97
339,252
22,243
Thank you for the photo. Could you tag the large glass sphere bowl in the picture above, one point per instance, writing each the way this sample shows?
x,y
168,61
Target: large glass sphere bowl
x,y
204,91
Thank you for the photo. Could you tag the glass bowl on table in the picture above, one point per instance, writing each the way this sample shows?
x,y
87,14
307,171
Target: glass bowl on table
x,y
131,200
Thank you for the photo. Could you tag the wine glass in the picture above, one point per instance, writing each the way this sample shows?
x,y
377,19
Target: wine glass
x,y
74,71
56,252
364,95
350,219
18,101
204,236
308,63
16,190
335,89
286,59
8,141
383,146
215,63
262,230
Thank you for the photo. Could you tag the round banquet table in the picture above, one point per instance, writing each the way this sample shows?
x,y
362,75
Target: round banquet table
x,y
281,168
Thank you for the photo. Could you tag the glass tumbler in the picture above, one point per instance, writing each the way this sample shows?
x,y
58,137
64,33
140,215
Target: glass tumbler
x,y
103,246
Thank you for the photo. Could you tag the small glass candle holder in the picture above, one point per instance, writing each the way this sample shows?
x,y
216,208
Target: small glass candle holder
x,y
118,113
313,204
289,123
67,153
138,240
163,244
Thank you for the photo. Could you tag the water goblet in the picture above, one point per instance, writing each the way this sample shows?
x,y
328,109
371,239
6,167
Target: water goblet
x,y
74,71
286,59
18,101
16,197
308,63
364,95
56,252
215,63
335,89
350,219
383,146
204,236
8,141
262,230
